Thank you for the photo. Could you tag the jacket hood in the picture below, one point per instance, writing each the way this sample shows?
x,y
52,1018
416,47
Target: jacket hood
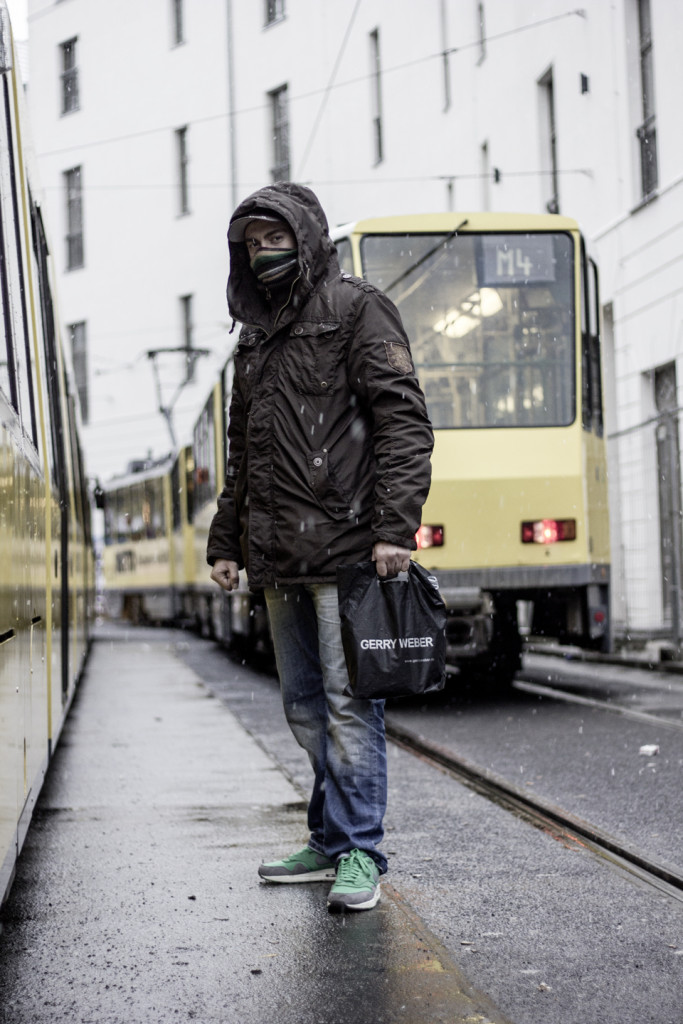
x,y
300,208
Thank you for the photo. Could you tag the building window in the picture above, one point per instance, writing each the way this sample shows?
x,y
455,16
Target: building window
x,y
647,132
481,24
485,176
444,58
79,356
280,133
665,389
177,20
182,159
549,136
70,100
376,97
73,182
188,336
275,11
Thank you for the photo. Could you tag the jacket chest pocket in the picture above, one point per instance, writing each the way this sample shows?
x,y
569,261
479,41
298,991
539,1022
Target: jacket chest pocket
x,y
316,356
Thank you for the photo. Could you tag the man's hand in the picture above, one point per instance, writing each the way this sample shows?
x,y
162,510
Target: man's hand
x,y
390,558
226,574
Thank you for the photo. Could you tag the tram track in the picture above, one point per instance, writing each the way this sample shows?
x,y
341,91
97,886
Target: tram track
x,y
528,683
541,814
563,826
561,685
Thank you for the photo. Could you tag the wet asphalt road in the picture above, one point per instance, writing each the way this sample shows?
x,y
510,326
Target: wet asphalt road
x,y
583,758
137,898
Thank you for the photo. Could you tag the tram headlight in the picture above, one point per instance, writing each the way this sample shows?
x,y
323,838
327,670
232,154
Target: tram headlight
x,y
429,537
548,531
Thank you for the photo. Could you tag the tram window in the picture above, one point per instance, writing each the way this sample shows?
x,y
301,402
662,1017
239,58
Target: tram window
x,y
159,516
595,353
119,501
52,409
144,517
19,376
6,354
9,275
7,375
204,451
490,320
345,255
136,521
109,518
153,518
175,495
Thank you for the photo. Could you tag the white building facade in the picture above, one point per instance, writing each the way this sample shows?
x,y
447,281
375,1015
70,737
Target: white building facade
x,y
152,120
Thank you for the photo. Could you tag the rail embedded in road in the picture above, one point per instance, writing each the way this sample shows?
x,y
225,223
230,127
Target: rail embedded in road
x,y
541,813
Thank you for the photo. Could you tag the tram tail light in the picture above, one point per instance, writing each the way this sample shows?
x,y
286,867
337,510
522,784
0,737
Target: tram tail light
x,y
429,537
548,531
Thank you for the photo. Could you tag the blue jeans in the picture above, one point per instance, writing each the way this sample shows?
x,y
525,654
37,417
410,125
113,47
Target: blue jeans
x,y
344,737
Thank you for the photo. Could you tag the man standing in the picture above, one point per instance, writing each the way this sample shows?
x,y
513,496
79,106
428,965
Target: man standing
x,y
328,464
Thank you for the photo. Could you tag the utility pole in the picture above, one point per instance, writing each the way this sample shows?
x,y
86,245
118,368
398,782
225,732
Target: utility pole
x,y
191,356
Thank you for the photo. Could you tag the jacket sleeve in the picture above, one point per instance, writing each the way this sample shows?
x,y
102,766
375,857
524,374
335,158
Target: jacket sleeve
x,y
381,373
224,532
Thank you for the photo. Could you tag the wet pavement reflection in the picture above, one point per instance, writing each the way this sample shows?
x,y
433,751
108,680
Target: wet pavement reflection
x,y
137,899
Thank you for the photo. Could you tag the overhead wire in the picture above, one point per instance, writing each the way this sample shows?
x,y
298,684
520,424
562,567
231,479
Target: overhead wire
x,y
325,91
328,88
408,179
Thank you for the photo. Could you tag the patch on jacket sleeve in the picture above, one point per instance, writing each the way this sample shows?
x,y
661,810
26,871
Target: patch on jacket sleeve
x,y
398,356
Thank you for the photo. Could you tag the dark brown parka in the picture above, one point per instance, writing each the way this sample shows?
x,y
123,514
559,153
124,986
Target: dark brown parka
x,y
329,438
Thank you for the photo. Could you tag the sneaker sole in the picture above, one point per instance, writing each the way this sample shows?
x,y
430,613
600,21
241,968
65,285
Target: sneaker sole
x,y
324,875
339,905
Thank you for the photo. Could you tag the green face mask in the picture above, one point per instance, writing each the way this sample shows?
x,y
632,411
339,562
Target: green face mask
x,y
275,266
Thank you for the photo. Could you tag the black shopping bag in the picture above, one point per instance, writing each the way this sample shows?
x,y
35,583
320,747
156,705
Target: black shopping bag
x,y
393,631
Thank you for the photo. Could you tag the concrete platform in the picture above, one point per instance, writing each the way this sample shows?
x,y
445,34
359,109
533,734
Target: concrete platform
x,y
137,898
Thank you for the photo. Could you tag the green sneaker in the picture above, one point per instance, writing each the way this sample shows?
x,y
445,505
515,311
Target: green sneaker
x,y
304,866
357,884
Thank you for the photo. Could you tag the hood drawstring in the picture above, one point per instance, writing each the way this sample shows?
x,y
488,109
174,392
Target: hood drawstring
x,y
285,303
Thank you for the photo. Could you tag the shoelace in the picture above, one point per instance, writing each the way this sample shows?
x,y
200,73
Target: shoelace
x,y
353,869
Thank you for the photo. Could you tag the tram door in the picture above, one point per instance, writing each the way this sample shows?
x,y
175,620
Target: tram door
x,y
669,484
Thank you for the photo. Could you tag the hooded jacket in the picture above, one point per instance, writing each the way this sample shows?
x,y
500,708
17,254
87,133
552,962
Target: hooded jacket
x,y
329,438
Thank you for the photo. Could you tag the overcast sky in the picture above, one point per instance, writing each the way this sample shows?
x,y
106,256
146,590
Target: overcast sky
x,y
17,13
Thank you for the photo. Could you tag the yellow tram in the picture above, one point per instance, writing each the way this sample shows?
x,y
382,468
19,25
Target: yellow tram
x,y
502,311
502,314
46,558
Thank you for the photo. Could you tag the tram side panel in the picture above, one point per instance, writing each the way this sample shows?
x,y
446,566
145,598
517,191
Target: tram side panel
x,y
212,607
33,496
69,566
23,669
237,619
183,488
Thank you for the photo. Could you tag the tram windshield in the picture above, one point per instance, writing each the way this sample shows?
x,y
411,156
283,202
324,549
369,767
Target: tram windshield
x,y
135,512
490,319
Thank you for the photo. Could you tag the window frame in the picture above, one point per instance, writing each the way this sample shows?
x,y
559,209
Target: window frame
x,y
646,132
376,97
75,248
279,116
79,358
69,77
178,22
182,165
274,12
